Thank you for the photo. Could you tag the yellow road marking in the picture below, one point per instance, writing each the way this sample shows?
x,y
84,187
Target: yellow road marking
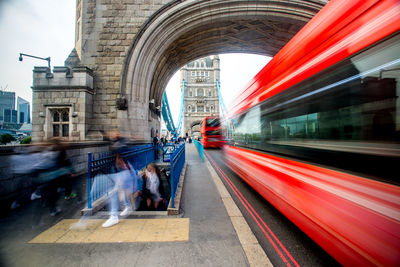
x,y
128,230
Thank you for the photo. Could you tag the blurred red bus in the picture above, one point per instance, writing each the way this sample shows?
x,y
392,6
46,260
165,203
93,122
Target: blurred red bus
x,y
317,131
211,132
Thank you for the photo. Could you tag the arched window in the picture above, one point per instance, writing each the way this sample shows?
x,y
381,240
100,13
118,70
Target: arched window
x,y
200,92
190,93
60,122
212,108
209,93
189,108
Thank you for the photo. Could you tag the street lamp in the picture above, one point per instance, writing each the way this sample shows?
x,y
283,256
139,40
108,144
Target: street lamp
x,y
42,58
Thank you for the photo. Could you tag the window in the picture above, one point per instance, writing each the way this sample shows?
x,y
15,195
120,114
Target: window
x,y
60,122
200,92
190,93
189,108
193,73
209,93
200,108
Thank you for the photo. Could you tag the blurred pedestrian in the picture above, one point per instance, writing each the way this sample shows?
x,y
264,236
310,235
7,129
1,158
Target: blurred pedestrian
x,y
152,185
125,184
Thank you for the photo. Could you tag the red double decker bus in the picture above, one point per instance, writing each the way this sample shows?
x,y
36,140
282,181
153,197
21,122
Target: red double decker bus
x,y
211,132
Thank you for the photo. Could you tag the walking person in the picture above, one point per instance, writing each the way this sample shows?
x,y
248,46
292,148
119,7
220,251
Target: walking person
x,y
124,184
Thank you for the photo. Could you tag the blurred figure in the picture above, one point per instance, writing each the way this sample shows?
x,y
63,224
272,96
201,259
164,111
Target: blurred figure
x,y
152,185
54,171
125,184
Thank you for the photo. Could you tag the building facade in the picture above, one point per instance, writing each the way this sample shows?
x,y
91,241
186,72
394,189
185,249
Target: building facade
x,y
24,111
201,96
7,104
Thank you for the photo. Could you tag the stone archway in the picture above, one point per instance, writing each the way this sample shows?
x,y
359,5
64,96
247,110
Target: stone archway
x,y
194,127
134,49
183,31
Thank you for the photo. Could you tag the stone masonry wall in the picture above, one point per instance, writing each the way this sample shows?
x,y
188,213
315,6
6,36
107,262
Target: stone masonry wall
x,y
109,28
64,88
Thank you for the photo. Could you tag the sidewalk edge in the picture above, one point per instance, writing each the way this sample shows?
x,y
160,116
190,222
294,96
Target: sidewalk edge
x,y
255,254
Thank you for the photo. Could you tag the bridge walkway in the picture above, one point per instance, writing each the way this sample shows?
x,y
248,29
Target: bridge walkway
x,y
203,234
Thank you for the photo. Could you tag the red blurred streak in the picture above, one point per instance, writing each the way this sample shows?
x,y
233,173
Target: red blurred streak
x,y
327,39
252,213
333,208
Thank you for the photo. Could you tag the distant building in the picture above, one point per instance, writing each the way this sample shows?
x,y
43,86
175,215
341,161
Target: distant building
x,y
10,115
201,96
7,101
23,108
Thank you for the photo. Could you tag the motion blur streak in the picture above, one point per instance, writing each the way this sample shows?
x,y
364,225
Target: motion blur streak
x,y
371,230
254,214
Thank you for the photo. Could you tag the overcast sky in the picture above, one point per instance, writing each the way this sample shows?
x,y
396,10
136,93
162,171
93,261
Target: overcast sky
x,y
46,28
43,28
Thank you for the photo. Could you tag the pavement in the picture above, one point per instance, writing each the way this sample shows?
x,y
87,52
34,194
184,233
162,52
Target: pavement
x,y
208,231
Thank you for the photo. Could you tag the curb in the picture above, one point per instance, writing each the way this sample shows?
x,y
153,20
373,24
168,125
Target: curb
x,y
253,250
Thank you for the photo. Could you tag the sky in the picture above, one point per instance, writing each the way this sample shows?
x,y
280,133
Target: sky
x,y
43,28
46,28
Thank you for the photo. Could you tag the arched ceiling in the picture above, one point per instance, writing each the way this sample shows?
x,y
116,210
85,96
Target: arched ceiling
x,y
186,30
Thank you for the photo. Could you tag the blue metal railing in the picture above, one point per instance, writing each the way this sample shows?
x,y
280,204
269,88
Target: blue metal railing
x,y
101,164
177,162
166,113
200,148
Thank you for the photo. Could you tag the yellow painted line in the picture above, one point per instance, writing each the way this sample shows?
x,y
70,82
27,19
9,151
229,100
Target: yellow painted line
x,y
128,230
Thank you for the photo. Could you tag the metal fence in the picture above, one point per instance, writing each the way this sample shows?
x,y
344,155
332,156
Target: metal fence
x,y
100,164
177,162
200,148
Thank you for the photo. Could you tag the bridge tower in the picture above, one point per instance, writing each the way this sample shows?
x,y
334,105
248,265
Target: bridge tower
x,y
201,97
126,51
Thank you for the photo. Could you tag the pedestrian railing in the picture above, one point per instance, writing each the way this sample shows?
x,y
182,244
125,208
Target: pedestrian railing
x,y
177,162
101,164
200,148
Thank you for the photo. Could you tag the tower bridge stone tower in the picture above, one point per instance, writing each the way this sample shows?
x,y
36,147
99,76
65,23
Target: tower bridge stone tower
x,y
127,50
201,97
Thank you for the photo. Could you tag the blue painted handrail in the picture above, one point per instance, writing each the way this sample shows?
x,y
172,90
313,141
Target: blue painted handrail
x,y
100,164
200,148
176,165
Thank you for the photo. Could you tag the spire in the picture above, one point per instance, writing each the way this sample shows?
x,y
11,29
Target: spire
x,y
73,59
